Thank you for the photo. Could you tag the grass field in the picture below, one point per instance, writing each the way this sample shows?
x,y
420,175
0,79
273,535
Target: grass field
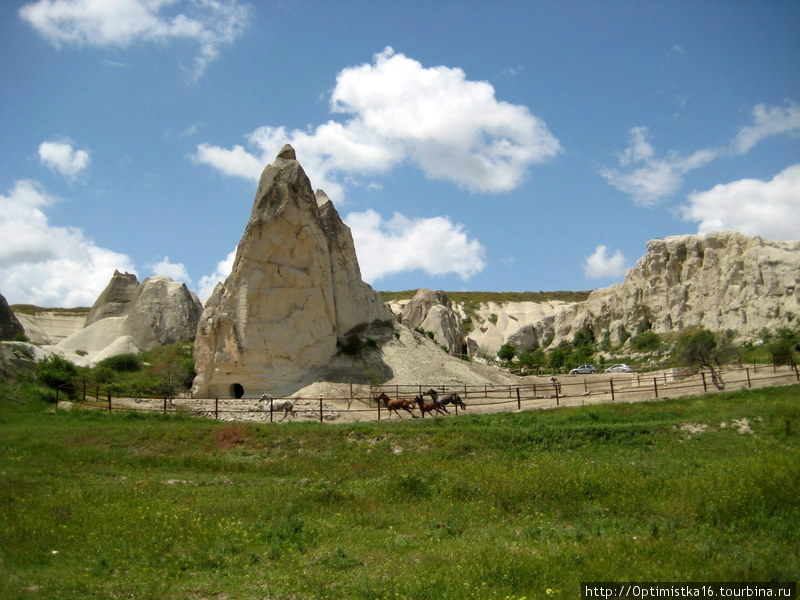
x,y
504,506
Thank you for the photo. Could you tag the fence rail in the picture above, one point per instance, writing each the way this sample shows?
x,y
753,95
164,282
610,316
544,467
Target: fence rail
x,y
540,393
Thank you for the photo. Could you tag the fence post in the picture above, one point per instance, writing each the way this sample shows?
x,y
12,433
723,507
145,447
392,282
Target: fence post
x,y
320,409
705,386
109,399
84,390
611,381
270,408
655,386
165,404
557,386
748,378
216,409
519,404
379,409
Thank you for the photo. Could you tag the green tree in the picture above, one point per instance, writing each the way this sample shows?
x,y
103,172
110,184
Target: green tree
x,y
558,356
783,344
703,349
507,352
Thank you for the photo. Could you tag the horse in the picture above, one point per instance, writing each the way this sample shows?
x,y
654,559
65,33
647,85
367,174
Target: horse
x,y
453,398
396,403
426,407
287,406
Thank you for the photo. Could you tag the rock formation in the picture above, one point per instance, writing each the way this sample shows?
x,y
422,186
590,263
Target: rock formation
x,y
295,290
9,324
113,301
720,281
431,311
162,312
156,312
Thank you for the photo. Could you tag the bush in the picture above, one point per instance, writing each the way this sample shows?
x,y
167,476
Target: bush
x,y
507,352
783,344
55,371
352,345
647,341
125,363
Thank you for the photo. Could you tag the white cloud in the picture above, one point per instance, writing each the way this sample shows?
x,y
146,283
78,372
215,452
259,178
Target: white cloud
x,y
452,128
435,246
207,283
770,209
122,23
47,265
648,179
177,271
768,121
62,157
601,265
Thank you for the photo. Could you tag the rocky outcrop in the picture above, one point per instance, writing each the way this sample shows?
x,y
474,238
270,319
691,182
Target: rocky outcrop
x,y
431,311
159,311
294,291
720,281
162,312
9,324
51,326
355,302
113,301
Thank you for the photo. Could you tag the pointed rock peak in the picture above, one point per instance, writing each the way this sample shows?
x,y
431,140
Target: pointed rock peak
x,y
287,152
321,197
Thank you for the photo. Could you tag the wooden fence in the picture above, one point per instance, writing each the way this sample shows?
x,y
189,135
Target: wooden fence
x,y
539,393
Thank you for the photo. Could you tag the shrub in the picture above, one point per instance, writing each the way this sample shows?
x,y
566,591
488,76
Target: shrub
x,y
647,341
125,363
507,352
352,345
55,371
783,344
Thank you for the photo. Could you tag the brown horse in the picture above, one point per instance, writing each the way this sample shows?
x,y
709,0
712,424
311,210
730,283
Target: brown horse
x,y
426,407
393,404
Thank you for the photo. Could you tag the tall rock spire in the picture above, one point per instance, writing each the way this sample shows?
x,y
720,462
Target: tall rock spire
x,y
294,289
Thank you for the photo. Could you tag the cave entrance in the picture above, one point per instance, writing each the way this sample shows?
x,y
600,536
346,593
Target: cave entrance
x,y
237,391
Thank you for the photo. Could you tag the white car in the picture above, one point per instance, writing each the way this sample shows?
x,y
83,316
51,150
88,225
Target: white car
x,y
583,370
621,368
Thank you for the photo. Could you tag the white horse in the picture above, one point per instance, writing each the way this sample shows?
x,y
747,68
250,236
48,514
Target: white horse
x,y
287,406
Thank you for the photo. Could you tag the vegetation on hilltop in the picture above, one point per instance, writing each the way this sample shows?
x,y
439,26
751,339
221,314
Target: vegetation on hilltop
x,y
32,309
498,297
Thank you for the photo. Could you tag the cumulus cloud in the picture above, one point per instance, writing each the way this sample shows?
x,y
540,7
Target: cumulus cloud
x,y
602,265
177,271
770,209
435,246
62,157
450,127
211,24
649,179
207,283
767,121
47,265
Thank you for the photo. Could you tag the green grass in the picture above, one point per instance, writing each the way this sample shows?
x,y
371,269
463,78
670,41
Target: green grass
x,y
494,506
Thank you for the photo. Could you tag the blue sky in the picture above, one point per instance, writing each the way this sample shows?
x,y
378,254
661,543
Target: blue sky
x,y
502,146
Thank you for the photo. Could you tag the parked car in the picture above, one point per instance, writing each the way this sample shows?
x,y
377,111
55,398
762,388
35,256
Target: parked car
x,y
621,368
583,370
